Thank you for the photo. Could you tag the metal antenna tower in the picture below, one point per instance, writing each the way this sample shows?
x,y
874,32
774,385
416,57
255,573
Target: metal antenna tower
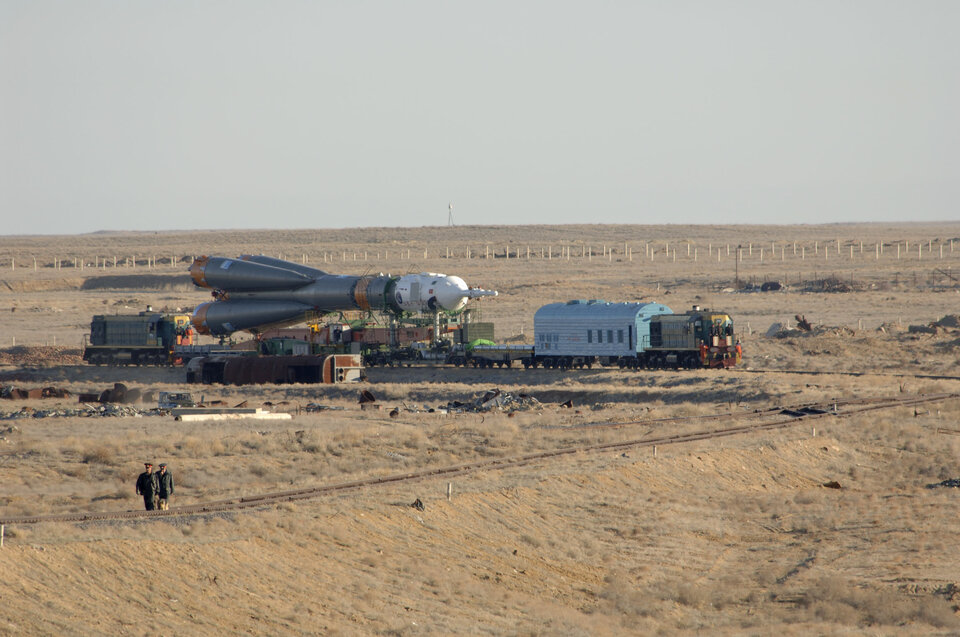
x,y
450,214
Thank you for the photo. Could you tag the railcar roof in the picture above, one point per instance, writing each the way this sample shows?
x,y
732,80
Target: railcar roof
x,y
601,309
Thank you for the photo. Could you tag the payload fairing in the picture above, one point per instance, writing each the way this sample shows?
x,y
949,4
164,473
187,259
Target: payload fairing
x,y
255,292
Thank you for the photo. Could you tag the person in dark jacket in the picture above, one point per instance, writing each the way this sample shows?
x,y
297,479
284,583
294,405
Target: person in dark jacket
x,y
147,486
164,486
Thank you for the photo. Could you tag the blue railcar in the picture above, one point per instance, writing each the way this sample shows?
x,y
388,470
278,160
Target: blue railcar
x,y
581,333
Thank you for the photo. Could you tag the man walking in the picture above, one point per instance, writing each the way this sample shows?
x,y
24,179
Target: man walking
x,y
164,486
147,486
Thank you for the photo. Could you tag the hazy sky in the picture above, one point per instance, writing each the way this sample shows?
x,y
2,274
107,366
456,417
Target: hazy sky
x,y
238,114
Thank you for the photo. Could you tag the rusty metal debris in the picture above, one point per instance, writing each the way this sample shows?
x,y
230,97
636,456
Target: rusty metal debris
x,y
803,323
368,401
16,393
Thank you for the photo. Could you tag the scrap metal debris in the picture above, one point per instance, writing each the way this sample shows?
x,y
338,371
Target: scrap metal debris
x,y
313,407
495,399
90,411
953,483
803,323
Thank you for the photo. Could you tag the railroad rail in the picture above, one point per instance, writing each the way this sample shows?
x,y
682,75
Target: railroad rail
x,y
769,419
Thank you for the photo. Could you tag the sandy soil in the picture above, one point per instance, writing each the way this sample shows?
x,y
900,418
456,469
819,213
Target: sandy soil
x,y
736,536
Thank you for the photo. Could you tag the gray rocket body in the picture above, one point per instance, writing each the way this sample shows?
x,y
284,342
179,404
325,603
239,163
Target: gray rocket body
x,y
255,292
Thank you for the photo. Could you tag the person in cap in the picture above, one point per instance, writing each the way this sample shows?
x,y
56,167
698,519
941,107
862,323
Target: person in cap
x,y
147,486
164,486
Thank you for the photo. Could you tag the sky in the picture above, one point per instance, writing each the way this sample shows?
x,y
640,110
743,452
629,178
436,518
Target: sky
x,y
136,115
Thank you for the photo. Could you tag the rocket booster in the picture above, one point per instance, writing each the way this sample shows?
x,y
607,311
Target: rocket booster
x,y
254,292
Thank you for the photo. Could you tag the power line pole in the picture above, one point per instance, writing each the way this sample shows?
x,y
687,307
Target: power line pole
x,y
736,285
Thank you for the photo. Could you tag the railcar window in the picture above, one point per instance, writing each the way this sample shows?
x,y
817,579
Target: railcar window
x,y
609,336
599,336
619,336
589,336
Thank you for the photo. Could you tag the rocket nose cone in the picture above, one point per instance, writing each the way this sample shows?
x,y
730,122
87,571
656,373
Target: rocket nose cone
x,y
451,293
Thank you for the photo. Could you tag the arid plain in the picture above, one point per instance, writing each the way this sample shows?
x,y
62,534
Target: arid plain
x,y
731,535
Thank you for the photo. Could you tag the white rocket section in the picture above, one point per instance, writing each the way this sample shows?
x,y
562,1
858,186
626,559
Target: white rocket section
x,y
431,291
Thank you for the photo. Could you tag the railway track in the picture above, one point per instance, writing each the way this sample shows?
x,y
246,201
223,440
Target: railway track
x,y
761,420
391,372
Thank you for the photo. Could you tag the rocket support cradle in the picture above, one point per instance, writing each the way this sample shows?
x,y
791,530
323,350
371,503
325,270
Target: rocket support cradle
x,y
255,292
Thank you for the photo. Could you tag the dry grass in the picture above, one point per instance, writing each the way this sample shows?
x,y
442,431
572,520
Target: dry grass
x,y
735,536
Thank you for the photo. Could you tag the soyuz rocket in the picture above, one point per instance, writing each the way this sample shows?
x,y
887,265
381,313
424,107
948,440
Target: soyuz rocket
x,y
254,292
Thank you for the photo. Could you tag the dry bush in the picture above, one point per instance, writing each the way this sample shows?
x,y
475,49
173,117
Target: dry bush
x,y
259,469
75,470
200,447
100,453
839,601
625,597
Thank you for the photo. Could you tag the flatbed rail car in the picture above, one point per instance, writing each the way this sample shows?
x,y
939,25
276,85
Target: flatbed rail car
x,y
491,355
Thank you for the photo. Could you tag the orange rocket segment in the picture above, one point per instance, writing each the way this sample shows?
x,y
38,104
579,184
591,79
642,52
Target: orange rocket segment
x,y
199,318
197,269
360,293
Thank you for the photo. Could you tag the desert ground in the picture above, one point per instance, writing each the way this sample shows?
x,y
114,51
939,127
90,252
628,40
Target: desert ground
x,y
835,526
